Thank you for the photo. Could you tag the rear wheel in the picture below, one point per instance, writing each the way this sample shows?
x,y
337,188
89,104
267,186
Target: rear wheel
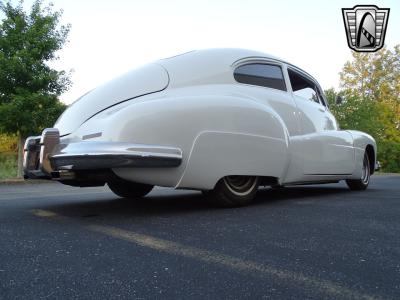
x,y
233,191
128,189
362,183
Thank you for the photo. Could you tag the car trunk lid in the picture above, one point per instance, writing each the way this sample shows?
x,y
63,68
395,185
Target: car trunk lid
x,y
148,79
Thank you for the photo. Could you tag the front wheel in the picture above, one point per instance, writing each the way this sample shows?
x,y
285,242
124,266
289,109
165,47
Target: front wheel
x,y
362,183
233,191
128,189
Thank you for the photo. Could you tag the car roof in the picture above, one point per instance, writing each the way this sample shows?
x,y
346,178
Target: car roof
x,y
190,67
225,56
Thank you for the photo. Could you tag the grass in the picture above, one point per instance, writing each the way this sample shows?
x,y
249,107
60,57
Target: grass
x,y
8,165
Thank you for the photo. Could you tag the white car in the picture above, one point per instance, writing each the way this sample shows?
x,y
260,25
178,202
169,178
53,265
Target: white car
x,y
223,121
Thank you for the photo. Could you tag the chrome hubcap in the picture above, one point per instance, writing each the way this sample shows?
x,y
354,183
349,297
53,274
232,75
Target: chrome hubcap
x,y
240,185
365,171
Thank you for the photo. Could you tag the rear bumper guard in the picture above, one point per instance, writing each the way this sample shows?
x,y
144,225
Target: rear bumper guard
x,y
45,157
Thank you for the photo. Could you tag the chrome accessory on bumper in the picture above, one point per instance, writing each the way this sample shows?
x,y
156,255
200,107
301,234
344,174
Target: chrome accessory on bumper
x,y
36,162
46,157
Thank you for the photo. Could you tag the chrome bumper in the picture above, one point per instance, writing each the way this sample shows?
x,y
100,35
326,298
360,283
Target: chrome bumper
x,y
46,157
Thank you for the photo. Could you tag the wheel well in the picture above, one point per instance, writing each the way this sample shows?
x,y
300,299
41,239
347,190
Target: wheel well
x,y
371,156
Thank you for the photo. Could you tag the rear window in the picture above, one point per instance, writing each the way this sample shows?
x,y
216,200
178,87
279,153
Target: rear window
x,y
266,75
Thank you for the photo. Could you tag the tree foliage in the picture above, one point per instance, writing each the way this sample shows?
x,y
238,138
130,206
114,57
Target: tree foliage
x,y
374,75
370,84
29,87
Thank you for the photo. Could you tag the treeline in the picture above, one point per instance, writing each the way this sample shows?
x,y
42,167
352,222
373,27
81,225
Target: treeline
x,y
370,87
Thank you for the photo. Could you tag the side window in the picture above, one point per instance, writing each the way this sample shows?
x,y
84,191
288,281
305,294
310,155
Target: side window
x,y
303,87
261,74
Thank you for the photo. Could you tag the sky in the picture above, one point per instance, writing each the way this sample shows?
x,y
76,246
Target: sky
x,y
108,38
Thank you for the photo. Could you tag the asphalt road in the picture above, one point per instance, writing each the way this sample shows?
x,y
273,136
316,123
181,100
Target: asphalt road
x,y
300,242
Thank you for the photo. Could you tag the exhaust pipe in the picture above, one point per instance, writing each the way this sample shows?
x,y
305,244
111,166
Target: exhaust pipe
x,y
63,175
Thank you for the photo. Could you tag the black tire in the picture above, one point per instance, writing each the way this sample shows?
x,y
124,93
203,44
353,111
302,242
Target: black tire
x,y
362,183
232,191
128,189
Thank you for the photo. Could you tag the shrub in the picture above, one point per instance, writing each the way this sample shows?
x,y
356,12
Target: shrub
x,y
8,165
8,143
389,155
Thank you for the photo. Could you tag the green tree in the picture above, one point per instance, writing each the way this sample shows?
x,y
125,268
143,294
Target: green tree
x,y
356,113
370,85
29,87
376,77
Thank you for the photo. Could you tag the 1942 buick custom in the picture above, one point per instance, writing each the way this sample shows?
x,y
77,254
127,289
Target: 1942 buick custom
x,y
223,121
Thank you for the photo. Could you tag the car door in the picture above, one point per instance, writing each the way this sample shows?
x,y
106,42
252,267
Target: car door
x,y
268,85
324,149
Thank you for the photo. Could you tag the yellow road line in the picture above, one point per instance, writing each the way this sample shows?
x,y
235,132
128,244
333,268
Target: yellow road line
x,y
43,213
239,265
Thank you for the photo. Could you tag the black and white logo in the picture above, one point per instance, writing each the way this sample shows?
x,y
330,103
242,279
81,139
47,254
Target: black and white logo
x,y
365,27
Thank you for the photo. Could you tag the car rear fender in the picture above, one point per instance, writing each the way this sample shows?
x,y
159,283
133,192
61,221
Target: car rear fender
x,y
361,141
245,137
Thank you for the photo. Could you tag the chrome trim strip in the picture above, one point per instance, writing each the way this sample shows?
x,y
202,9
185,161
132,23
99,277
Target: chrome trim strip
x,y
105,155
92,136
